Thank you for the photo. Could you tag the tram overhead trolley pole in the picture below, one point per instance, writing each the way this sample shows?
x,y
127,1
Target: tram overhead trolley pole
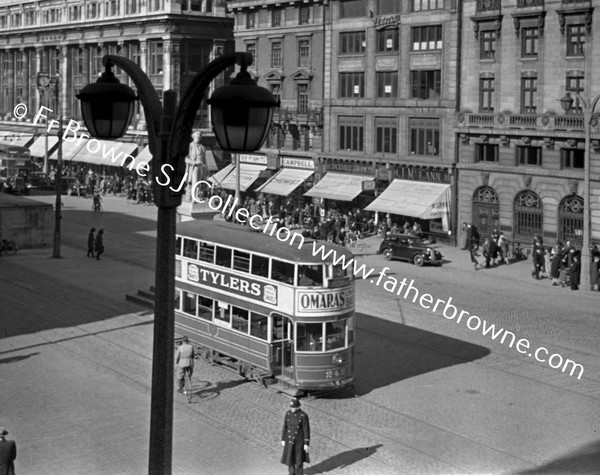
x,y
241,114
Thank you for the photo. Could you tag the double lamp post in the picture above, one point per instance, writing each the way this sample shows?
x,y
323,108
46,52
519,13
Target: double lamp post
x,y
241,116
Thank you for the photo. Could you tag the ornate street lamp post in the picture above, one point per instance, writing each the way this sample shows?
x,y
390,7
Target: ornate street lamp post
x,y
107,108
588,116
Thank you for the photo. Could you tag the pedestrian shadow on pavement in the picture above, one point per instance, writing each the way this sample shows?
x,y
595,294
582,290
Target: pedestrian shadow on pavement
x,y
14,359
208,391
342,460
387,352
585,459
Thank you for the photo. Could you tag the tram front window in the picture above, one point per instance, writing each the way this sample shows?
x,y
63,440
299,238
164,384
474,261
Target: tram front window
x,y
310,276
282,271
309,337
335,335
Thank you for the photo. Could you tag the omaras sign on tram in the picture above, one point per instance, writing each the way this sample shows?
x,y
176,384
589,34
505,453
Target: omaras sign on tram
x,y
226,282
324,301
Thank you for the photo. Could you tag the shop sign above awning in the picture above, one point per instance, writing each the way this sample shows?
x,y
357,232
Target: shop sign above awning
x,y
339,186
417,199
285,181
249,174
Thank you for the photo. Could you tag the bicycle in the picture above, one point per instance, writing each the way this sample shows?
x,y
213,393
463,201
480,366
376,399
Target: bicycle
x,y
8,247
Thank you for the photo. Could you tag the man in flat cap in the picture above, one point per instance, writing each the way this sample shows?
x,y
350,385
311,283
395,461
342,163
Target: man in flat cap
x,y
8,454
295,438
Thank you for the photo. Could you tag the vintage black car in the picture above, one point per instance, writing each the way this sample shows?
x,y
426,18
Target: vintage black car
x,y
409,248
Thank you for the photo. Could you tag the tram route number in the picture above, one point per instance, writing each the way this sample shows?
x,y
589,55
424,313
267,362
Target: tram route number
x,y
336,373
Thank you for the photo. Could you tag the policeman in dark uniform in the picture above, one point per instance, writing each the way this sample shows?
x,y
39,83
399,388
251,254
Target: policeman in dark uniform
x,y
295,438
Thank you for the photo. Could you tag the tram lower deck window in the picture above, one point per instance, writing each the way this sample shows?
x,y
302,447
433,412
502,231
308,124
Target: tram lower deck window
x,y
259,325
309,337
189,303
335,335
240,319
205,308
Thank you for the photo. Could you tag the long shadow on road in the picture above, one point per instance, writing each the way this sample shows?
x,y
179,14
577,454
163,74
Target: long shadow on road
x,y
387,352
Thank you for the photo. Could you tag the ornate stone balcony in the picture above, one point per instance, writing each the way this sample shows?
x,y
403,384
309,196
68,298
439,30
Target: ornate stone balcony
x,y
506,121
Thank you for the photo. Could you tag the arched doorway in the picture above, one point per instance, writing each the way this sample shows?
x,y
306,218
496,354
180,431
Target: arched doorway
x,y
528,217
486,210
570,220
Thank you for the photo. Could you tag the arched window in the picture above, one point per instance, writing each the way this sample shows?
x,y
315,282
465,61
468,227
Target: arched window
x,y
570,220
528,215
486,210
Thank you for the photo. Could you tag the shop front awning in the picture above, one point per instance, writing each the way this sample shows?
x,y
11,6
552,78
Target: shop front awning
x,y
285,181
414,198
218,177
104,152
339,186
69,149
248,175
144,156
38,148
16,138
211,163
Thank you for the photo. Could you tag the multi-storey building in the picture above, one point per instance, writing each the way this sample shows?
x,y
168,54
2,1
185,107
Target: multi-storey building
x,y
520,155
170,41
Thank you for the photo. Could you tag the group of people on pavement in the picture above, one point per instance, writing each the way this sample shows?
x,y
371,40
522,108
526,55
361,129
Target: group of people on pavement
x,y
295,435
95,243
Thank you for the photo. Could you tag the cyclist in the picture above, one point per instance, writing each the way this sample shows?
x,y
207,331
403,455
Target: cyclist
x,y
184,359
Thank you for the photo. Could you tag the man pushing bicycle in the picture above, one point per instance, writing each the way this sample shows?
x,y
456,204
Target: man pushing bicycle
x,y
184,360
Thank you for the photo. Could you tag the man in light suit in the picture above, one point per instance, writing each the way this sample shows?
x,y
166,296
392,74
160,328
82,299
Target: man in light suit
x,y
8,454
184,359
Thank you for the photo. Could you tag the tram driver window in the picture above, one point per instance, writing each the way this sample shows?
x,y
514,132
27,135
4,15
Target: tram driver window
x,y
205,308
239,319
335,335
189,303
223,256
309,337
190,248
310,276
260,265
282,271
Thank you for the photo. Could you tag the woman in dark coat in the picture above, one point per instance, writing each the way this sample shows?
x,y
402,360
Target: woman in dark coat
x,y
99,243
555,264
575,271
295,438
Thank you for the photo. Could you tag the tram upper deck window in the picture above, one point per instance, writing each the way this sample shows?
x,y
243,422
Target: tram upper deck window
x,y
178,241
205,308
241,261
282,271
309,337
207,252
310,276
260,265
335,335
239,319
190,248
259,325
223,256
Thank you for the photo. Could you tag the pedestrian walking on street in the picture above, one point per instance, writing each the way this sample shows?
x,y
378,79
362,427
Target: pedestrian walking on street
x,y
91,242
575,271
295,438
184,359
8,454
99,244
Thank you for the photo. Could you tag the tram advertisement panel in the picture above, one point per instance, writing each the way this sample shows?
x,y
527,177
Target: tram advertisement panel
x,y
312,302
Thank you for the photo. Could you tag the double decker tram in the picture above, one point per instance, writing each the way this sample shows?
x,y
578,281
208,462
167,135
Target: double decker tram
x,y
266,308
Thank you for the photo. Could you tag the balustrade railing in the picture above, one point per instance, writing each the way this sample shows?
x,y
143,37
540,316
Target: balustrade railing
x,y
571,122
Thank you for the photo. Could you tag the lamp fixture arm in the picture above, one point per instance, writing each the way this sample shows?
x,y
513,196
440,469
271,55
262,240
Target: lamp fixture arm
x,y
192,98
147,95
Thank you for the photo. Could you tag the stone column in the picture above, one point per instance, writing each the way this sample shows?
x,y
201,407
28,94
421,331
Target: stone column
x,y
10,82
144,66
65,83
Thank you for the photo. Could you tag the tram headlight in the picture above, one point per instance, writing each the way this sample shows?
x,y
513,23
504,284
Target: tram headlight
x,y
338,359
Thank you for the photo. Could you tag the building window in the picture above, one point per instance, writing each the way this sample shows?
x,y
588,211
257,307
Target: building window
x,y
352,84
387,84
132,6
570,220
529,42
134,53
572,158
351,133
77,62
486,94
575,40
386,135
16,20
352,42
304,53
427,38
528,155
3,21
155,58
251,48
353,8
487,44
276,91
20,63
575,86
387,40
155,5
388,7
111,8
304,15
528,95
276,17
250,20
424,136
95,61
30,18
420,5
486,152
426,84
276,57
528,215
92,11
302,104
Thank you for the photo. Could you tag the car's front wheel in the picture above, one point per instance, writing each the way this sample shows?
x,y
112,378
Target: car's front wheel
x,y
387,254
418,260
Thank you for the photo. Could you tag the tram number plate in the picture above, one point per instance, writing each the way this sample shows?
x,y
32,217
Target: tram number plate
x,y
336,373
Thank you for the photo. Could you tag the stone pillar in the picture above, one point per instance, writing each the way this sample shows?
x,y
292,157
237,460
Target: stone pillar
x,y
65,85
38,65
144,66
10,82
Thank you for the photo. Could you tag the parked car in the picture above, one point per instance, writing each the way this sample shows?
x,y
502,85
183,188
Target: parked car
x,y
15,185
39,180
409,248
